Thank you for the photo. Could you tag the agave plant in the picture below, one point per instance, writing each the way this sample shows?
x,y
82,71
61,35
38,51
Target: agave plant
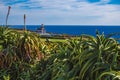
x,y
59,65
6,37
7,42
100,56
83,59
7,57
115,75
28,46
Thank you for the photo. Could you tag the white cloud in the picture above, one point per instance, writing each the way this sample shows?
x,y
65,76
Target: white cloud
x,y
105,1
64,12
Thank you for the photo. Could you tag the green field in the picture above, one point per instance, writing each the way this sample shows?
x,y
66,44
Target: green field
x,y
54,40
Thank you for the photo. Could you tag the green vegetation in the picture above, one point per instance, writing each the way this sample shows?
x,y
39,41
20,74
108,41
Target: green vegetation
x,y
25,56
54,40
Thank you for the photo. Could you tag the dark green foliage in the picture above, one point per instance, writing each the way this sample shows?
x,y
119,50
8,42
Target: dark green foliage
x,y
93,58
25,57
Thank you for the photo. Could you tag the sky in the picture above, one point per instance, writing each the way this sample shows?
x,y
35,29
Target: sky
x,y
61,12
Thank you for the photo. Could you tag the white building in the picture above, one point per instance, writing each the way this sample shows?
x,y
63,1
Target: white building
x,y
42,31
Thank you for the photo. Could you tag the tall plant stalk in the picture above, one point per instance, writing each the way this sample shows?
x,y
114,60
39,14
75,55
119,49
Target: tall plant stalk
x,y
9,7
24,21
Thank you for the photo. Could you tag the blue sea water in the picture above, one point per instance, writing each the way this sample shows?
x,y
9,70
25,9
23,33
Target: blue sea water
x,y
73,29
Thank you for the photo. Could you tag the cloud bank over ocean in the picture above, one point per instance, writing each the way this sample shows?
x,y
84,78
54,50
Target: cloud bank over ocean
x,y
62,12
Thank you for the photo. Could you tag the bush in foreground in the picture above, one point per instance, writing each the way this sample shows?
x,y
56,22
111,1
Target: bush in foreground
x,y
26,57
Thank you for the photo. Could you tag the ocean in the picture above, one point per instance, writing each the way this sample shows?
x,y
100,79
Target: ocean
x,y
73,29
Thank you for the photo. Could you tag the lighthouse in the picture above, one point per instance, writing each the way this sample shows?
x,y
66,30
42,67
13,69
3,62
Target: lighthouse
x,y
41,30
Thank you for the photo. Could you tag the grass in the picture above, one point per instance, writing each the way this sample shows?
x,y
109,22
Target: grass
x,y
53,40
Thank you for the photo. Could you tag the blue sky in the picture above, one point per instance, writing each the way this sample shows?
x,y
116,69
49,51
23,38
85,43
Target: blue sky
x,y
61,12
